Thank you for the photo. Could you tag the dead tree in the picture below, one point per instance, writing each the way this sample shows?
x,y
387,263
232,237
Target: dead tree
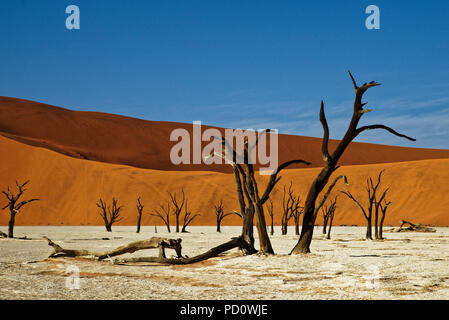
x,y
328,213
328,216
331,161
378,225
140,207
372,207
383,209
238,242
247,187
110,214
152,243
177,206
164,215
411,227
270,209
219,213
14,205
291,209
188,218
296,213
324,211
286,216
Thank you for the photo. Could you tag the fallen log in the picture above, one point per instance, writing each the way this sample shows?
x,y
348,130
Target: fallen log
x,y
152,243
411,227
4,235
238,242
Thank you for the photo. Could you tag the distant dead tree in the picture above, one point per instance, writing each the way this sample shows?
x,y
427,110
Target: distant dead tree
x,y
14,205
177,206
139,207
326,212
331,161
110,214
373,205
296,213
270,209
250,201
328,216
163,214
219,212
383,208
291,209
411,227
188,217
286,216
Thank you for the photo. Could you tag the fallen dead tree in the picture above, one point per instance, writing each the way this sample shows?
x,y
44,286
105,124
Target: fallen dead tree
x,y
238,242
410,227
152,243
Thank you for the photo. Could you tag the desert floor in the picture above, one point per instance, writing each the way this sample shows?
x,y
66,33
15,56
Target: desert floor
x,y
404,266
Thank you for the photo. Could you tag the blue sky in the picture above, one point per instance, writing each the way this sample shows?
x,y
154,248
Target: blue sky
x,y
246,64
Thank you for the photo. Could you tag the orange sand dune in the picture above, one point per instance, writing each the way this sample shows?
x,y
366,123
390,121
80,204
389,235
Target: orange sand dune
x,y
146,144
69,188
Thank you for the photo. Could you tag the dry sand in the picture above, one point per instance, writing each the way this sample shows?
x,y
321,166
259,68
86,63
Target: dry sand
x,y
69,188
405,266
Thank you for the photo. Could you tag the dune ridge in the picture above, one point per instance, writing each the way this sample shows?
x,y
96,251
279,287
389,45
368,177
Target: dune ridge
x,y
145,144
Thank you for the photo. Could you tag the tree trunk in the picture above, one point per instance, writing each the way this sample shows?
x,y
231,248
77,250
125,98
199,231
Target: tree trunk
x,y
177,223
297,228
272,226
248,229
381,237
376,224
381,226
138,223
284,228
308,222
331,219
218,225
11,225
108,228
325,225
369,232
264,239
303,245
247,216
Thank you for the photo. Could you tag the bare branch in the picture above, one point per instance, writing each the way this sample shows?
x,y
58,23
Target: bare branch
x,y
20,205
381,126
353,80
350,196
325,143
274,179
329,191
